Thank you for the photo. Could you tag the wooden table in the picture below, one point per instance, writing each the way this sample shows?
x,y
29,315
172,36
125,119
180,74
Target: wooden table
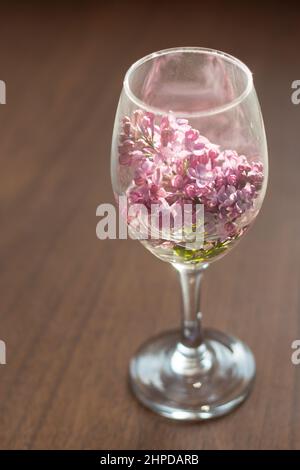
x,y
73,309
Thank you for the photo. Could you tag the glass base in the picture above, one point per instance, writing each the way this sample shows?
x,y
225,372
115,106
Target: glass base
x,y
192,383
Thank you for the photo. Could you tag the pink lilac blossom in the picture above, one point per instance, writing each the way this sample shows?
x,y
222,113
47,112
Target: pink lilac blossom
x,y
173,163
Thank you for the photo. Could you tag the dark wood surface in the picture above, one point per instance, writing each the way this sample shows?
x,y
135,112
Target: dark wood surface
x,y
73,309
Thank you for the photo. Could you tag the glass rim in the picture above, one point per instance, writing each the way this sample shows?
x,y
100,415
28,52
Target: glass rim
x,y
200,50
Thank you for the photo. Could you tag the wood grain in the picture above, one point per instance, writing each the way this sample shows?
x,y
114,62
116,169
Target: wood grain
x,y
74,309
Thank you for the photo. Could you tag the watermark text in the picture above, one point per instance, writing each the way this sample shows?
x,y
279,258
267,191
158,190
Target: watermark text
x,y
2,352
2,92
176,222
295,357
295,97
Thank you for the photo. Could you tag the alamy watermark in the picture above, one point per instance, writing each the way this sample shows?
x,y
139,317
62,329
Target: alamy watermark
x,y
295,357
2,343
176,223
295,96
2,352
2,92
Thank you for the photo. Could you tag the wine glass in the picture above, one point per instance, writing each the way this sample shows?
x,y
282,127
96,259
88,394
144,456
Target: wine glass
x,y
189,133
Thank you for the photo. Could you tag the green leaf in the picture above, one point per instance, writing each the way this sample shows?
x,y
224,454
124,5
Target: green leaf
x,y
202,255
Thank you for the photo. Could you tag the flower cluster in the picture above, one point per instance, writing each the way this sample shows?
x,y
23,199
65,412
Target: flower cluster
x,y
170,162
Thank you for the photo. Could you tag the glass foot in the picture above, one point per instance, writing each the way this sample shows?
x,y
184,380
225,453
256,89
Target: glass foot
x,y
192,383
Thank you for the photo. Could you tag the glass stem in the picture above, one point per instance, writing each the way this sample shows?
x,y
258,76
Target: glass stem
x,y
191,357
190,281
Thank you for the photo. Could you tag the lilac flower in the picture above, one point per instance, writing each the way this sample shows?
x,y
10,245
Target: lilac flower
x,y
174,164
191,191
201,174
